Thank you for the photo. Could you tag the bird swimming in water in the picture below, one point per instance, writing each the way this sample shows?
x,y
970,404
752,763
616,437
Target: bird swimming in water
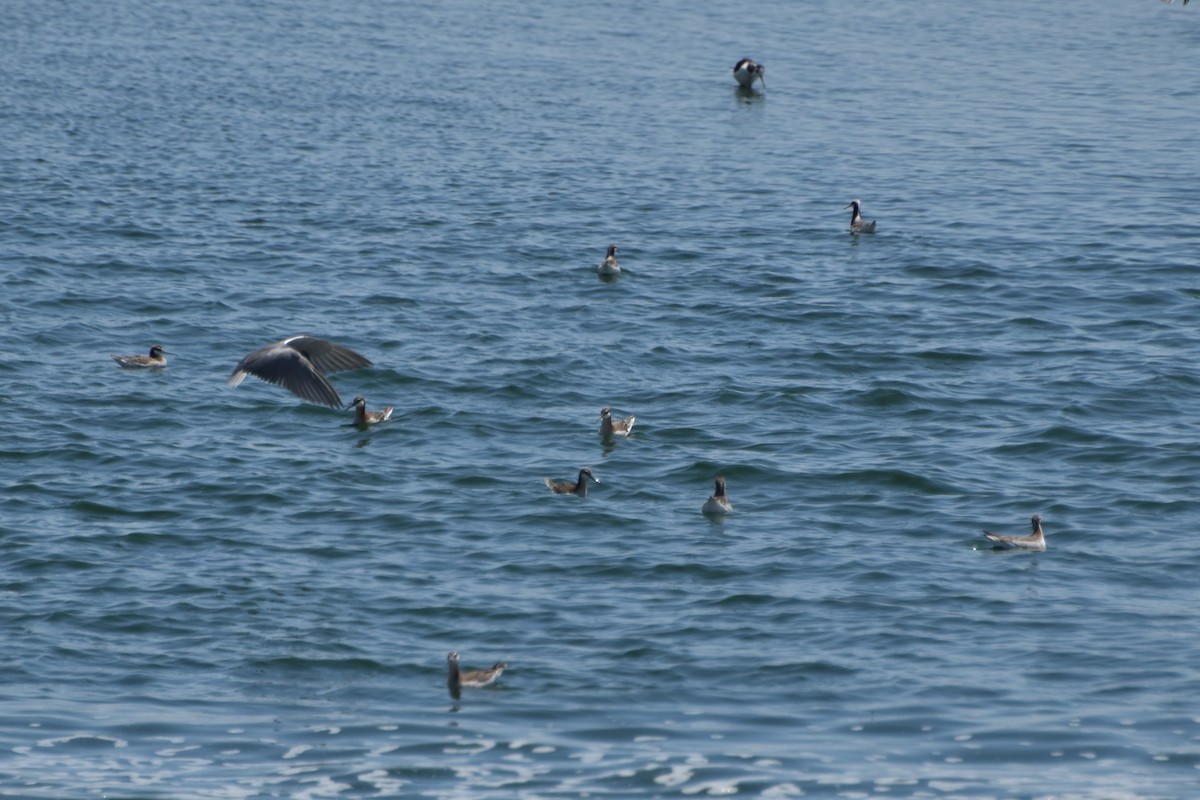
x,y
299,364
609,265
472,679
615,427
156,359
745,72
719,502
363,418
1034,541
857,223
573,487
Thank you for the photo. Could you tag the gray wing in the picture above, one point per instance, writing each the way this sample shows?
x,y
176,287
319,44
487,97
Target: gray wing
x,y
326,356
297,364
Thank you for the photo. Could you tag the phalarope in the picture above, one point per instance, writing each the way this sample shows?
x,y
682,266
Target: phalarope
x,y
299,364
719,502
156,359
363,418
609,265
746,72
578,487
472,679
1034,541
610,426
857,223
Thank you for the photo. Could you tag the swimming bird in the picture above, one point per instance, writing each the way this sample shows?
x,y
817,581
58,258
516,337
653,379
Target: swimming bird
x,y
857,223
615,427
1034,541
578,487
719,502
299,364
473,679
745,72
363,418
156,359
609,265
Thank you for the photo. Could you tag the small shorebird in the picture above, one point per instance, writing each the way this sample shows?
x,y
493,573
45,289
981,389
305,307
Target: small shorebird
x,y
472,679
719,502
578,487
745,72
857,223
609,265
1034,541
299,364
615,427
156,359
363,418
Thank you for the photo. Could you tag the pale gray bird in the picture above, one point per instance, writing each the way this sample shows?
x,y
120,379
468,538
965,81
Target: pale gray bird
x,y
857,223
471,678
156,359
363,418
718,503
1034,541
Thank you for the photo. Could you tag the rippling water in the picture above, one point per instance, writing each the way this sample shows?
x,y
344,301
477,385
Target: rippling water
x,y
229,593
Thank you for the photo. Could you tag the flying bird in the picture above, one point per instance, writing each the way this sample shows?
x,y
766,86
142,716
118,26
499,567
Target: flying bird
x,y
299,364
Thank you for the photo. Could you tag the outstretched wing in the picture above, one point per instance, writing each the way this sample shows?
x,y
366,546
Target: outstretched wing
x,y
298,364
326,356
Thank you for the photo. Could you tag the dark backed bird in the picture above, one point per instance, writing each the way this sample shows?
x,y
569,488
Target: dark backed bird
x,y
299,364
578,487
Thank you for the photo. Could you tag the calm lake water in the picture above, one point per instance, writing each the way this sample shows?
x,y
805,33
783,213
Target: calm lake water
x,y
229,593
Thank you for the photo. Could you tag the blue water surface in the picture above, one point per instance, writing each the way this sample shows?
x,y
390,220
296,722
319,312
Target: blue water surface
x,y
229,593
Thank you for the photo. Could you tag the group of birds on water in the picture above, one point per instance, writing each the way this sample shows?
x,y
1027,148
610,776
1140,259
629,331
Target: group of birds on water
x,y
746,72
611,426
300,364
